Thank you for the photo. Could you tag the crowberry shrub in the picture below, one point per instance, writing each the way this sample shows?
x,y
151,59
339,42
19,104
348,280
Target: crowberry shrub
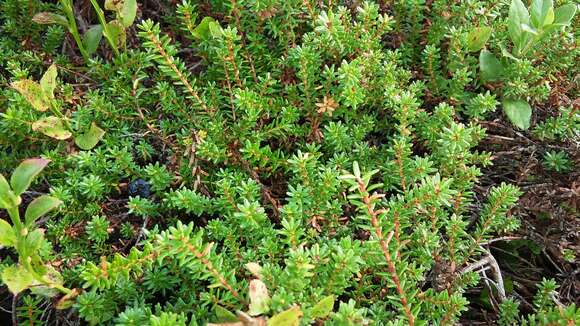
x,y
277,162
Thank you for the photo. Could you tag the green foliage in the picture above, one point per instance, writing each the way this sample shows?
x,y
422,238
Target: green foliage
x,y
24,236
526,31
557,161
272,163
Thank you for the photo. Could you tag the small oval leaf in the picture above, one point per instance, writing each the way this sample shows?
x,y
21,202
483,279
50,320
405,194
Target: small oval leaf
x,y
128,12
33,93
7,197
323,308
202,31
7,235
25,172
290,317
92,38
259,298
52,127
90,138
478,37
518,112
39,207
48,82
17,278
490,67
563,15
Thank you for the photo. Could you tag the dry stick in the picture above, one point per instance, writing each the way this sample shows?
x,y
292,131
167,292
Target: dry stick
x,y
479,237
169,60
490,261
385,248
14,316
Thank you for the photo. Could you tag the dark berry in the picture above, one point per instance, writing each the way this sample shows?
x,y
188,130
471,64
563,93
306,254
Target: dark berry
x,y
140,188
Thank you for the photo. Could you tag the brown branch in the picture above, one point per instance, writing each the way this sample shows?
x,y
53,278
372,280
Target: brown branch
x,y
385,247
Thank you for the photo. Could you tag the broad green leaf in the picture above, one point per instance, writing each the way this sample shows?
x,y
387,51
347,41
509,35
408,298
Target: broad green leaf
x,y
92,38
52,127
564,14
7,235
215,29
490,67
7,197
45,18
33,242
323,308
290,317
128,12
224,316
17,278
542,13
530,29
478,37
202,31
39,207
90,138
116,33
32,92
519,112
26,172
52,277
259,298
518,15
48,82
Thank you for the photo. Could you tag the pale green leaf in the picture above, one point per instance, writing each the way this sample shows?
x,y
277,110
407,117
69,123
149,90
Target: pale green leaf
x,y
518,15
259,298
7,235
52,277
48,81
478,37
490,67
202,31
518,112
290,317
116,32
33,242
39,207
52,127
128,12
92,38
542,13
7,197
26,172
32,92
323,308
17,278
564,14
224,316
90,138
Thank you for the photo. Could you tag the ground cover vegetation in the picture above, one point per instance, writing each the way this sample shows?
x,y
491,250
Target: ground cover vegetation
x,y
289,162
